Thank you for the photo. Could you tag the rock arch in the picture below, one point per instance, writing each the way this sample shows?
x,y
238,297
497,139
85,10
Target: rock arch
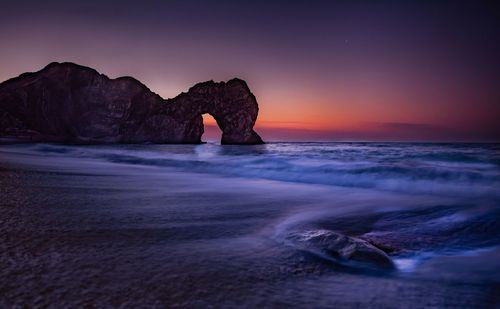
x,y
231,104
66,102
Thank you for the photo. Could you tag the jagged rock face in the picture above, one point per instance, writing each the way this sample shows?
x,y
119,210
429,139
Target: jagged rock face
x,y
66,102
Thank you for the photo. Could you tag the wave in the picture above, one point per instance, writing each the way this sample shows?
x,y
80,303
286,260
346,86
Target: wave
x,y
466,174
408,237
441,169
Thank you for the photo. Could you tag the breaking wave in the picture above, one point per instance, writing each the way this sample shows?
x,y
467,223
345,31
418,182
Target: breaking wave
x,y
469,170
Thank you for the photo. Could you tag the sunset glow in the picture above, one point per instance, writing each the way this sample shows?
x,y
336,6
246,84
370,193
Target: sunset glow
x,y
335,72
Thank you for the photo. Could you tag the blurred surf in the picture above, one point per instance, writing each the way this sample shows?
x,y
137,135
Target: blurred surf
x,y
469,170
466,174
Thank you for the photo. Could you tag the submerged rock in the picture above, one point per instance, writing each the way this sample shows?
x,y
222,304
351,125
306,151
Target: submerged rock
x,y
340,248
66,102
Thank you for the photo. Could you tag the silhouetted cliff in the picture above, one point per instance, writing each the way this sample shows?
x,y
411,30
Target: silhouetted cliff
x,y
69,103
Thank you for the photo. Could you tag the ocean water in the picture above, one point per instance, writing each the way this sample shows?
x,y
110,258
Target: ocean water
x,y
468,170
199,225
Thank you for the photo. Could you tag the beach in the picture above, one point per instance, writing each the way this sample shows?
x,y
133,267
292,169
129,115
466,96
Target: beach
x,y
207,226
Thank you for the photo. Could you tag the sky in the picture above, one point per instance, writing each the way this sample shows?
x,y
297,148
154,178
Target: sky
x,y
321,70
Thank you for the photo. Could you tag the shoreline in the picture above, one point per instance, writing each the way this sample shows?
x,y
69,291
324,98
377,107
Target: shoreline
x,y
90,232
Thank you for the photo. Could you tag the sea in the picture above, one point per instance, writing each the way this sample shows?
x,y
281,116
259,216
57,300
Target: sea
x,y
215,225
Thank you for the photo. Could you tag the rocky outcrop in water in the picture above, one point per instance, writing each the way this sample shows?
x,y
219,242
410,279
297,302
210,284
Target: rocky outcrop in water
x,y
340,249
69,103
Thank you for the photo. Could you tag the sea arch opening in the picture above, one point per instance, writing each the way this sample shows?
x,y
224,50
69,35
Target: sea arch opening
x,y
212,132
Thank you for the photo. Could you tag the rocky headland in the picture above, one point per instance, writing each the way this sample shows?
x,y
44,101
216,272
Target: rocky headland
x,y
70,103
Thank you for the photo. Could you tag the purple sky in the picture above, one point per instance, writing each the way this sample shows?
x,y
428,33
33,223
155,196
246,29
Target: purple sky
x,y
321,70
